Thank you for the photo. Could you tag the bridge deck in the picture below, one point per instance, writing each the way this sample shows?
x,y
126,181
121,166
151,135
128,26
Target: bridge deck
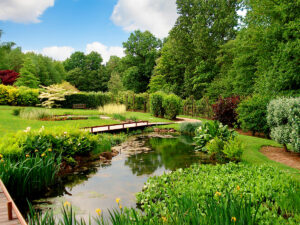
x,y
7,206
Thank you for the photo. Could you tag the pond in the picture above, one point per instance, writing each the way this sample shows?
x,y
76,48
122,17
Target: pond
x,y
140,157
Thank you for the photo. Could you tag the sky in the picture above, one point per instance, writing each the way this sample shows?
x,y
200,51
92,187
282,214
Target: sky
x,y
57,28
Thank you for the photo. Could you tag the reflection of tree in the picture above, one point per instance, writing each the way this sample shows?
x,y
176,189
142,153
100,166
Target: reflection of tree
x,y
168,153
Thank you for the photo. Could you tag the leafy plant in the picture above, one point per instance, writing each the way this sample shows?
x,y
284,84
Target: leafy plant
x,y
252,114
119,117
225,110
189,128
210,130
156,104
172,105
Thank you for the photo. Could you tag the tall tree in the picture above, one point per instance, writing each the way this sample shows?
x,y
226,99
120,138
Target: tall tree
x,y
201,28
142,49
27,75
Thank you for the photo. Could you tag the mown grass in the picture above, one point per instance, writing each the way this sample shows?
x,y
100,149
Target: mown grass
x,y
10,123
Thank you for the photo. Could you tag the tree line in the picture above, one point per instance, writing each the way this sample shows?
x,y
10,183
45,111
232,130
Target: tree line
x,y
211,51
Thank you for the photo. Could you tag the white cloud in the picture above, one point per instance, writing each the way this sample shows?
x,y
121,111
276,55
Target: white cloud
x,y
157,16
58,53
23,11
104,50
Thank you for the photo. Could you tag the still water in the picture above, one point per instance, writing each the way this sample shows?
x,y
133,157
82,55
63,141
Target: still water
x,y
100,184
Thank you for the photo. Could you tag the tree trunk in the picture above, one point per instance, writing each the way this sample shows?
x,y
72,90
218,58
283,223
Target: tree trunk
x,y
285,147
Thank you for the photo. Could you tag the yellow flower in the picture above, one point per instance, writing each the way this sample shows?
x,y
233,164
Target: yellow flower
x,y
67,204
164,219
120,206
43,154
233,219
49,150
27,155
2,160
218,194
238,188
1,156
98,211
118,200
36,150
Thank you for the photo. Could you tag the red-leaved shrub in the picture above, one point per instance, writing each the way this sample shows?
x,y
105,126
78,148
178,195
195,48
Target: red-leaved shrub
x,y
225,110
8,77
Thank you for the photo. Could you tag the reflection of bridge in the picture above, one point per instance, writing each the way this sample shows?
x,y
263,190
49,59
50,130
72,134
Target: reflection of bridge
x,y
9,212
123,126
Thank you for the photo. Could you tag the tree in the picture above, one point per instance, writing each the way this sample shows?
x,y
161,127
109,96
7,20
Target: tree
x,y
27,76
8,77
142,49
115,83
201,28
86,72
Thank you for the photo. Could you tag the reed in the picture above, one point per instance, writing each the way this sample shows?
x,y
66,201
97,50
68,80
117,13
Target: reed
x,y
112,109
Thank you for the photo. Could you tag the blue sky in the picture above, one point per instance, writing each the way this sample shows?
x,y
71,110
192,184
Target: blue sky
x,y
59,27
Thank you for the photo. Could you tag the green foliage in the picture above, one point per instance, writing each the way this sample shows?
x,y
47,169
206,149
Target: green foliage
x,y
115,84
141,49
189,128
233,192
91,99
207,131
120,117
29,175
172,105
252,114
156,104
21,96
233,149
28,76
283,118
86,72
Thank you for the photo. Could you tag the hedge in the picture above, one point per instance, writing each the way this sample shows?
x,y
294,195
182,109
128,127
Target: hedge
x,y
21,96
92,100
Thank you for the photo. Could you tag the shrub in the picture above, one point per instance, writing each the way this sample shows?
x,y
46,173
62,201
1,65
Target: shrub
x,y
21,96
92,100
225,110
189,128
284,120
119,117
252,114
235,181
210,130
156,104
35,114
16,112
112,109
8,77
172,105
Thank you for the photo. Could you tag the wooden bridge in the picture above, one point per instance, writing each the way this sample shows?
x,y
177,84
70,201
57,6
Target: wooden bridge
x,y
9,212
122,126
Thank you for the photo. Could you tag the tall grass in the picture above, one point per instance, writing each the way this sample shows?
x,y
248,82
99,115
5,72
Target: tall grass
x,y
29,176
218,210
35,114
112,109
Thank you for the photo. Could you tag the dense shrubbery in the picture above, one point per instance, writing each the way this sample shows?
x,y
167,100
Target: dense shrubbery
x,y
156,104
21,96
172,105
252,114
235,181
163,105
225,110
8,77
284,121
92,100
67,143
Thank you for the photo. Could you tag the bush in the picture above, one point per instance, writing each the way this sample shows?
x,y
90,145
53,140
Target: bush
x,y
119,117
172,105
284,120
189,128
225,110
92,100
18,96
156,104
252,114
210,130
260,186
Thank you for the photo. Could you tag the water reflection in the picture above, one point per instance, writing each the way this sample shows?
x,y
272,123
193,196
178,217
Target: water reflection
x,y
98,186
